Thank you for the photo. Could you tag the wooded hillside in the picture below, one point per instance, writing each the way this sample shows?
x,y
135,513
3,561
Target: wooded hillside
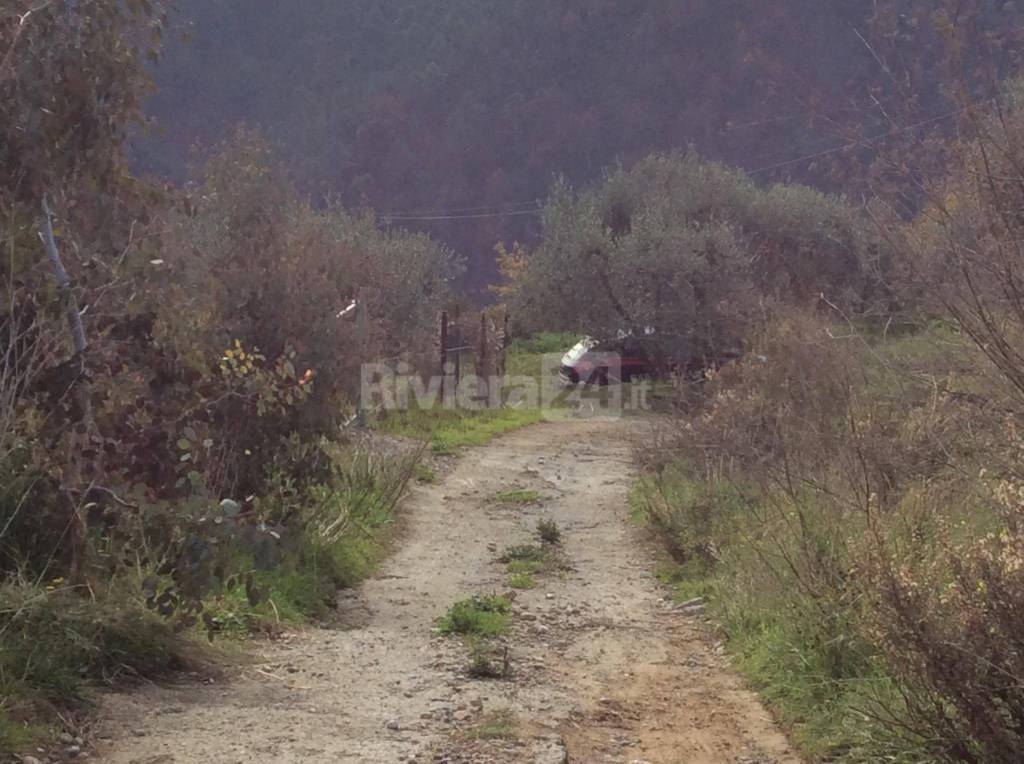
x,y
468,107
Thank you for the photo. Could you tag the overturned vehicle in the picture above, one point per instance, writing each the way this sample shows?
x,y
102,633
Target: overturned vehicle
x,y
633,356
624,357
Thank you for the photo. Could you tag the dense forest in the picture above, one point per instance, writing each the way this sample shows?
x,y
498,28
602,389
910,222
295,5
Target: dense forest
x,y
463,108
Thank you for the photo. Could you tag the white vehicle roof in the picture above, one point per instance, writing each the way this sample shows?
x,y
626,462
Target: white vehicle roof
x,y
577,351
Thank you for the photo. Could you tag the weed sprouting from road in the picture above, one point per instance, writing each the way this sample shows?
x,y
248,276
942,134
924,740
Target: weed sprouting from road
x,y
487,661
424,473
549,531
521,496
480,616
521,580
524,552
500,724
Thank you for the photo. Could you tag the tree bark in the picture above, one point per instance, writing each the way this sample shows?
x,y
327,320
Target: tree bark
x,y
72,473
67,295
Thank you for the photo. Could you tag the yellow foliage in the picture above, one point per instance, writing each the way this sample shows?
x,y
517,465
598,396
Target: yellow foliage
x,y
512,267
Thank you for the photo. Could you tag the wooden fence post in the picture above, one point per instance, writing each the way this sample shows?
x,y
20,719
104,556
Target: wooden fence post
x,y
458,353
481,360
503,361
444,351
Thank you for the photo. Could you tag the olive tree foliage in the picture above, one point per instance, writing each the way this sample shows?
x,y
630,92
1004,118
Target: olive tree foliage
x,y
72,78
688,251
255,262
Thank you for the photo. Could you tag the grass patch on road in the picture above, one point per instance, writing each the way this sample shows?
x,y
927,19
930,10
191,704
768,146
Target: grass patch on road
x,y
488,661
523,562
450,430
477,616
500,724
521,581
519,496
524,553
425,474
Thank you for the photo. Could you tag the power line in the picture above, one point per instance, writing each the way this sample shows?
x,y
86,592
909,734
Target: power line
x,y
473,216
497,207
870,139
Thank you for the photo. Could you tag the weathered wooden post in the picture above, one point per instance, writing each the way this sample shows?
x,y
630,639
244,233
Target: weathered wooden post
x,y
481,359
444,351
79,438
503,361
362,337
458,353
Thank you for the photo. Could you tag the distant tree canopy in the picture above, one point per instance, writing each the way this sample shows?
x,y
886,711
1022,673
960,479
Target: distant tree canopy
x,y
690,249
436,105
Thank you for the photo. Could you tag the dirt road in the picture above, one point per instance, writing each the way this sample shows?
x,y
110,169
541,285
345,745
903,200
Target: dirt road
x,y
603,669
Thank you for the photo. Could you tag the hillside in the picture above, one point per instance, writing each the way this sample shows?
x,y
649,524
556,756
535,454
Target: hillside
x,y
457,108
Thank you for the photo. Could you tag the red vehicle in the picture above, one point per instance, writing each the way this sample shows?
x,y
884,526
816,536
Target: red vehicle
x,y
600,363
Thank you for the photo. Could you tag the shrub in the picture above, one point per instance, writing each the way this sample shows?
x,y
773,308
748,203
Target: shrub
x,y
480,615
794,482
548,531
524,553
676,241
55,643
488,662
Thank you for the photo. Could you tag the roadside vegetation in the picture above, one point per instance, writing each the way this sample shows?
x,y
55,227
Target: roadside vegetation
x,y
847,495
176,372
180,371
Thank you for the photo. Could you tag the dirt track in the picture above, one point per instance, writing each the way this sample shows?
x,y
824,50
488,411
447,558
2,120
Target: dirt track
x,y
603,668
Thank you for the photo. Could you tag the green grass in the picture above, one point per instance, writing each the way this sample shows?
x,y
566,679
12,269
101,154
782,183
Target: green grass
x,y
524,567
478,616
521,581
533,553
302,587
424,474
450,430
814,672
17,734
523,563
56,644
517,496
543,342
